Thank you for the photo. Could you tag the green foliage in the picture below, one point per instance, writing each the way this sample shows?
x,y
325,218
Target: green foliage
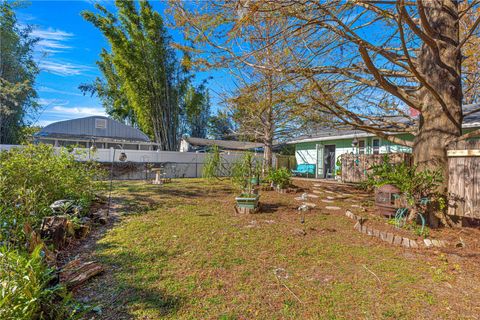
x,y
412,226
197,110
338,165
17,75
244,170
221,126
25,293
281,177
143,80
33,177
413,183
213,164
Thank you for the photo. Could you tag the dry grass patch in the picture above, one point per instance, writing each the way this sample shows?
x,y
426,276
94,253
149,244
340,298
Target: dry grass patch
x,y
181,253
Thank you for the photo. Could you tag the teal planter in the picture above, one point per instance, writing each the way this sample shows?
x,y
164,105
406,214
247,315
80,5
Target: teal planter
x,y
250,202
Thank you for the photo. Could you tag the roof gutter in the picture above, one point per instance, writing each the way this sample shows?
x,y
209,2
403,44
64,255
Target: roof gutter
x,y
346,136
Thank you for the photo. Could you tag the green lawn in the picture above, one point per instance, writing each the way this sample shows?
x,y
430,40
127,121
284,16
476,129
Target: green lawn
x,y
180,252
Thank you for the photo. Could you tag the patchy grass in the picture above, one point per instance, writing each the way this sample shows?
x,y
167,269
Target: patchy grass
x,y
180,252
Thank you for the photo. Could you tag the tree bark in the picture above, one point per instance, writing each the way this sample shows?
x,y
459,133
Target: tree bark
x,y
439,63
267,154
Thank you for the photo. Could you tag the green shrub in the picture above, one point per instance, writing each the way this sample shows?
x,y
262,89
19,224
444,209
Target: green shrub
x,y
213,164
244,170
413,183
282,177
24,291
33,177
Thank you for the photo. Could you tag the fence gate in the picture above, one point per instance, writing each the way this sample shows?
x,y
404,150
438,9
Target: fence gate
x,y
288,162
464,179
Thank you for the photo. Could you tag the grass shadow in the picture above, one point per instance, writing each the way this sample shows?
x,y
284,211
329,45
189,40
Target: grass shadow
x,y
124,289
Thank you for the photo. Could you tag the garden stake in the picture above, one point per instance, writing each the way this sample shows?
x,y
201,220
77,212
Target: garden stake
x,y
122,158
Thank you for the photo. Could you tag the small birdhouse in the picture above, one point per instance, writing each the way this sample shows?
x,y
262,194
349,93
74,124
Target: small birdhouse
x,y
385,197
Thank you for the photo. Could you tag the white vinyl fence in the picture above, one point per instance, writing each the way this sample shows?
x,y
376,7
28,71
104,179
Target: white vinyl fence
x,y
175,164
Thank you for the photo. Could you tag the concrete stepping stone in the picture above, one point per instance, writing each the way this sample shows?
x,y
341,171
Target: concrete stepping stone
x,y
327,201
330,198
356,206
428,243
328,191
332,208
317,191
317,185
312,196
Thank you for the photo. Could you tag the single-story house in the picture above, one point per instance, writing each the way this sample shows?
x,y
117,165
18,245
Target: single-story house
x,y
324,148
104,132
191,144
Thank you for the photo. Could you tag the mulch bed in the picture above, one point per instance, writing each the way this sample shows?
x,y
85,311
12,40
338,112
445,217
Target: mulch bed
x,y
469,236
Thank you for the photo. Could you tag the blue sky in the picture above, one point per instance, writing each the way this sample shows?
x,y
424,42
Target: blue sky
x,y
66,54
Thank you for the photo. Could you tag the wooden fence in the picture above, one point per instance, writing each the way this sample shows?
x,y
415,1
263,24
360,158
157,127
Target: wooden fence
x,y
355,168
464,179
282,161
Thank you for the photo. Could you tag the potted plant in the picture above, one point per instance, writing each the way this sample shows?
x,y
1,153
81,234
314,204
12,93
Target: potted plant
x,y
242,173
280,178
338,170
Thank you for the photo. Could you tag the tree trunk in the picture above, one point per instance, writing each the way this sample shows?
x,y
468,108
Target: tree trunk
x,y
439,124
267,154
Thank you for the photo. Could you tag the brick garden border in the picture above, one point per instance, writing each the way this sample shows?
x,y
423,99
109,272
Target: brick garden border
x,y
391,238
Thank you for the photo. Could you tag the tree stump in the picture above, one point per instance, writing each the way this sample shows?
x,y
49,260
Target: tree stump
x,y
56,229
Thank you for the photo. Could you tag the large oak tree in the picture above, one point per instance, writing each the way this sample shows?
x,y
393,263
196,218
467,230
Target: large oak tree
x,y
386,59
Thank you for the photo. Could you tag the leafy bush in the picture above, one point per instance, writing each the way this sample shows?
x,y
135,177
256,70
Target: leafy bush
x,y
213,164
281,177
413,183
33,177
25,292
244,170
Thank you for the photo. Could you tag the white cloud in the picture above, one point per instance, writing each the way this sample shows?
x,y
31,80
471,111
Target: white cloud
x,y
48,102
76,112
63,68
62,113
52,40
53,90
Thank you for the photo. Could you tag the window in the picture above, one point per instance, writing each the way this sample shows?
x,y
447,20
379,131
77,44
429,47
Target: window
x,y
100,123
361,146
376,146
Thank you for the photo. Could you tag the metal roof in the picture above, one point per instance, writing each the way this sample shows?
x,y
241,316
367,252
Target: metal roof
x,y
92,127
225,144
470,120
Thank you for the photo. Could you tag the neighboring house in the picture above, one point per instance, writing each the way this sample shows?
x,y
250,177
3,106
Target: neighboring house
x,y
102,131
191,144
324,148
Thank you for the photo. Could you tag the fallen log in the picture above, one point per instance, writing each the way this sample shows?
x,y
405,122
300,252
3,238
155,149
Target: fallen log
x,y
76,273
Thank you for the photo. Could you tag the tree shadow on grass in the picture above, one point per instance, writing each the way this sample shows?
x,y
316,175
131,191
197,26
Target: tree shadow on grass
x,y
130,283
150,197
269,207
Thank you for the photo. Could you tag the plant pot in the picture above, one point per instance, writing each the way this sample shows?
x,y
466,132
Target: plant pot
x,y
247,203
255,181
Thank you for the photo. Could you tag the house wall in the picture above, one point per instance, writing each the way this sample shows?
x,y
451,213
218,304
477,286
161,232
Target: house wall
x,y
306,152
